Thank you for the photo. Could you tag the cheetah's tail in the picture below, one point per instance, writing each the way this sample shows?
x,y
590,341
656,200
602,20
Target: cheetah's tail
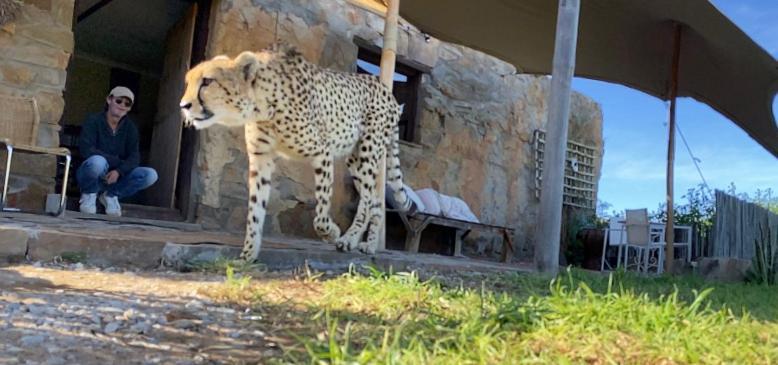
x,y
394,175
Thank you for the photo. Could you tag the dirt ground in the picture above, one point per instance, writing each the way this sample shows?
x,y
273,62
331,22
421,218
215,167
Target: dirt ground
x,y
68,314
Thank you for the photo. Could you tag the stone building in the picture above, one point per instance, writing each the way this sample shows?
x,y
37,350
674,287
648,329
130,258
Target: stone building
x,y
467,132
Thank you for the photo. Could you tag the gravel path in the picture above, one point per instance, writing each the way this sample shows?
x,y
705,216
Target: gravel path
x,y
68,314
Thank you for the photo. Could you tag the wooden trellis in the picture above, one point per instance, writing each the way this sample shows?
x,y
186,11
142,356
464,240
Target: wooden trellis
x,y
580,185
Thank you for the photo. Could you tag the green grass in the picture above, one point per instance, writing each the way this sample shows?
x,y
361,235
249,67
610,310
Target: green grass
x,y
73,257
576,318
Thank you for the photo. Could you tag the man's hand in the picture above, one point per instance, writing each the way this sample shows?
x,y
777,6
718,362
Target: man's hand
x,y
111,177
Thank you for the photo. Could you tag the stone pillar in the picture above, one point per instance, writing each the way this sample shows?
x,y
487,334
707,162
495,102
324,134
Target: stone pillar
x,y
34,54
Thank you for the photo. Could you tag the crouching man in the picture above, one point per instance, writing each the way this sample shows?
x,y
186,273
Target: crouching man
x,y
109,145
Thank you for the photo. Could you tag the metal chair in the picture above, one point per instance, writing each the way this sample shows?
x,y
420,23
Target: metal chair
x,y
19,119
615,237
647,245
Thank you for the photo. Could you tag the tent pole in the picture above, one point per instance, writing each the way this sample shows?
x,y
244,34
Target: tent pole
x,y
548,233
388,58
672,94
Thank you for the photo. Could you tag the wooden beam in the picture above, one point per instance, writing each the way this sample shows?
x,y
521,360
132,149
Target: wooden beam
x,y
388,60
92,9
672,94
548,233
389,50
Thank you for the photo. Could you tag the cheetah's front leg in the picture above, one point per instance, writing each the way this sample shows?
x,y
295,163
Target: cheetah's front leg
x,y
323,174
261,166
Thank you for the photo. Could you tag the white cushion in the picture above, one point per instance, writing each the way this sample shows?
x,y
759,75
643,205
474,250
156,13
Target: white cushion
x,y
431,201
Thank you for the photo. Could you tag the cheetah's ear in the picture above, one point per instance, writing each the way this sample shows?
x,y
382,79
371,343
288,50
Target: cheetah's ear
x,y
248,63
286,50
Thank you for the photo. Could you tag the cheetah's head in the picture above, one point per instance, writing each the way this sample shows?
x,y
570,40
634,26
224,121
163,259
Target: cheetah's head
x,y
230,92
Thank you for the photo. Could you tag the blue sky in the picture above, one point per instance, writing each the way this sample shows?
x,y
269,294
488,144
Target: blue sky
x,y
635,132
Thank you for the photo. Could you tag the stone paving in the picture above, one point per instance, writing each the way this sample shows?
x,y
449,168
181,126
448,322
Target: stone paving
x,y
71,314
120,305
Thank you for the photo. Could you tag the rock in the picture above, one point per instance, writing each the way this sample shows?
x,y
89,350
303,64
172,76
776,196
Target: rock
x,y
13,307
117,305
177,314
141,327
724,268
181,255
183,324
223,310
194,304
36,310
129,314
32,340
55,361
112,327
95,318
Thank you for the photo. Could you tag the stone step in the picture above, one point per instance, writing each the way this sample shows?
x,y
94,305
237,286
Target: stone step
x,y
21,242
184,226
185,256
135,211
107,243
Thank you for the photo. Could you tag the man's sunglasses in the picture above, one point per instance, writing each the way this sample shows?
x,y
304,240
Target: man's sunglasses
x,y
126,102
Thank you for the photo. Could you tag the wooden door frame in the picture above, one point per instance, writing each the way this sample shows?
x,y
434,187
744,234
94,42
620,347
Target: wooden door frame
x,y
190,141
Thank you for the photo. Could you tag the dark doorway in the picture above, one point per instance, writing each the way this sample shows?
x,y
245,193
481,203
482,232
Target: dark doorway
x,y
146,45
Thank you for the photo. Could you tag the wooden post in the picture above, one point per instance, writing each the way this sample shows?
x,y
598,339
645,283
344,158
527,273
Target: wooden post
x,y
388,59
548,233
672,94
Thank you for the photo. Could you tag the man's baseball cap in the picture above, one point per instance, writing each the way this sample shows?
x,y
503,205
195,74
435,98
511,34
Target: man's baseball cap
x,y
121,91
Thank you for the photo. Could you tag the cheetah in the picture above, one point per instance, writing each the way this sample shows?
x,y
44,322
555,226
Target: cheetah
x,y
293,109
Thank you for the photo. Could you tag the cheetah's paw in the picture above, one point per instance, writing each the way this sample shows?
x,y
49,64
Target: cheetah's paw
x,y
346,243
367,247
328,232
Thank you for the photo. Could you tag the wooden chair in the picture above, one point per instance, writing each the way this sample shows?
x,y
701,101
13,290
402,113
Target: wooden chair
x,y
19,119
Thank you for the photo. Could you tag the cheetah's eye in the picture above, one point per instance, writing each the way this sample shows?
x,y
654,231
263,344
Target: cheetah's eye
x,y
206,81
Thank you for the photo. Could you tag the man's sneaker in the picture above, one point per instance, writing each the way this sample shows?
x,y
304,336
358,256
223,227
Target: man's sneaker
x,y
111,204
88,203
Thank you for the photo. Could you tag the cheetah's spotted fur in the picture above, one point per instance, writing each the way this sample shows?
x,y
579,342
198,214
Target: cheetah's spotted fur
x,y
294,109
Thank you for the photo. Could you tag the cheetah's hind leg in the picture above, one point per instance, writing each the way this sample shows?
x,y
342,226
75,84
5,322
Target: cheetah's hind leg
x,y
351,239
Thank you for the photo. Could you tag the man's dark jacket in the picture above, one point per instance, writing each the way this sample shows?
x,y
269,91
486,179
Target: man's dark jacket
x,y
120,149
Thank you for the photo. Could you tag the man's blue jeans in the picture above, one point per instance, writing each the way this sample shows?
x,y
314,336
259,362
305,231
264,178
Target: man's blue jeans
x,y
91,178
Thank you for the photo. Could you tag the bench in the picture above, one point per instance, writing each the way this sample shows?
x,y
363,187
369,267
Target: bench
x,y
415,223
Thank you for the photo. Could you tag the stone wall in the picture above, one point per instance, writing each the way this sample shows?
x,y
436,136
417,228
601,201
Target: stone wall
x,y
34,53
473,140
